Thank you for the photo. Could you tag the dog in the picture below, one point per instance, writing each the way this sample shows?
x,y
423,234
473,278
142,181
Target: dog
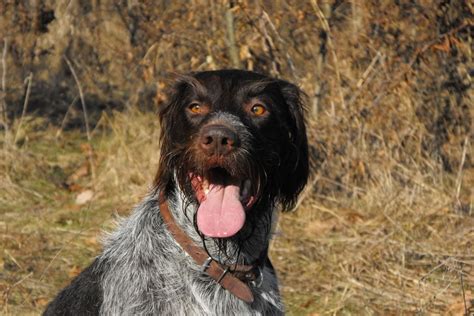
x,y
233,152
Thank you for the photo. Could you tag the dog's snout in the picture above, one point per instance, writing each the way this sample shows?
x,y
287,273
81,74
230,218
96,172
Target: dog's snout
x,y
218,140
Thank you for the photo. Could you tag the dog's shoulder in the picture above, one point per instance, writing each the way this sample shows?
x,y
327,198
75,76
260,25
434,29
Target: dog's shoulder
x,y
82,297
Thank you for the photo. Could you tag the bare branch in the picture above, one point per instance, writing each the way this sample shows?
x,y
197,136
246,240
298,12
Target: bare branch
x,y
325,24
233,50
3,93
25,105
86,119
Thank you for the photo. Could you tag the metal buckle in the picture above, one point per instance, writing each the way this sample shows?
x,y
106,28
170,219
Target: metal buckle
x,y
258,282
206,265
223,275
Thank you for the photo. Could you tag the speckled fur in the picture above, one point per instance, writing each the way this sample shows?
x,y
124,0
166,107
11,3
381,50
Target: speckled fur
x,y
149,274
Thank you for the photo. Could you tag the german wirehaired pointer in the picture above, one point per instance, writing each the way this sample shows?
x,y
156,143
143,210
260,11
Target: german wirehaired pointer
x,y
234,151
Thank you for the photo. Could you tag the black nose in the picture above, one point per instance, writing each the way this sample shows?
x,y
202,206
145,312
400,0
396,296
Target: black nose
x,y
218,140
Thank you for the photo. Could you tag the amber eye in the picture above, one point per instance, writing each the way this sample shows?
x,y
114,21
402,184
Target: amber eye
x,y
195,108
258,110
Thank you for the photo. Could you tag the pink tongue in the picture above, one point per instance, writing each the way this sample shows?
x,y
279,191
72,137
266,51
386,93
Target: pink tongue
x,y
221,214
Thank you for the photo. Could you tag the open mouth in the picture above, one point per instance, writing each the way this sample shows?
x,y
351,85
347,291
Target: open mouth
x,y
223,201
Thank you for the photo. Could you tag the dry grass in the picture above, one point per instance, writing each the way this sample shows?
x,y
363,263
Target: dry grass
x,y
48,235
386,225
389,248
394,250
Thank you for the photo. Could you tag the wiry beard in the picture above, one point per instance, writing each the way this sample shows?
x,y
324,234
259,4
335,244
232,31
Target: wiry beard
x,y
258,218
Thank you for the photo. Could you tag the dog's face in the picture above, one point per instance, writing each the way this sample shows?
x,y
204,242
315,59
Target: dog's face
x,y
235,143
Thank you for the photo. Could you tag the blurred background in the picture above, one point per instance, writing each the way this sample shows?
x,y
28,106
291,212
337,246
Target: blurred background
x,y
386,224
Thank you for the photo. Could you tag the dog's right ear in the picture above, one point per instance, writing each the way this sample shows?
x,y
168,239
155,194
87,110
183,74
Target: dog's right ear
x,y
169,117
164,176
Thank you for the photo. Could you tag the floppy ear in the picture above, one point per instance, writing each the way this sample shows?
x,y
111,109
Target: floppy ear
x,y
169,118
166,112
164,177
294,170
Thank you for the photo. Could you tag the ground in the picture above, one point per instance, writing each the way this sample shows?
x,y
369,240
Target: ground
x,y
389,249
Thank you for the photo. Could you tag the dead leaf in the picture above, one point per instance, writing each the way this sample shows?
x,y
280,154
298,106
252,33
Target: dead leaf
x,y
84,197
86,148
92,241
81,172
320,228
245,52
354,217
41,302
459,307
74,271
444,46
74,187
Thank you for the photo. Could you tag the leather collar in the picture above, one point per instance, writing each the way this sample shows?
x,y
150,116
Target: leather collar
x,y
233,278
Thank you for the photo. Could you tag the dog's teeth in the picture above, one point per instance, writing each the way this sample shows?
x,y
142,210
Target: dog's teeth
x,y
205,186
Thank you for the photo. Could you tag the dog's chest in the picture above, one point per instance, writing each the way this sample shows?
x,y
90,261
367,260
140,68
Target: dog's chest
x,y
176,291
148,274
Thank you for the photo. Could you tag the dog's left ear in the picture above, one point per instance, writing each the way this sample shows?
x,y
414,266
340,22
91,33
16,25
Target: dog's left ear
x,y
294,170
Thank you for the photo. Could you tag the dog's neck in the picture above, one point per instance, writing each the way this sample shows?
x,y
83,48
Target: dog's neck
x,y
237,251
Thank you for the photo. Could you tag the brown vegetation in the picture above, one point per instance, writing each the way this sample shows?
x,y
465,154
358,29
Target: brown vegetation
x,y
386,225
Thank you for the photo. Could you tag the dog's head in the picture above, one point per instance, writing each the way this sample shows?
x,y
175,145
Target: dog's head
x,y
235,142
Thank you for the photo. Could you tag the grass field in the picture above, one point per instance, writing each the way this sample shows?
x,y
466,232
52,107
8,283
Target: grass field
x,y
388,249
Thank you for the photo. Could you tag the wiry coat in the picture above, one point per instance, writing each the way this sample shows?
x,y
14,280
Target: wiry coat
x,y
148,273
143,270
